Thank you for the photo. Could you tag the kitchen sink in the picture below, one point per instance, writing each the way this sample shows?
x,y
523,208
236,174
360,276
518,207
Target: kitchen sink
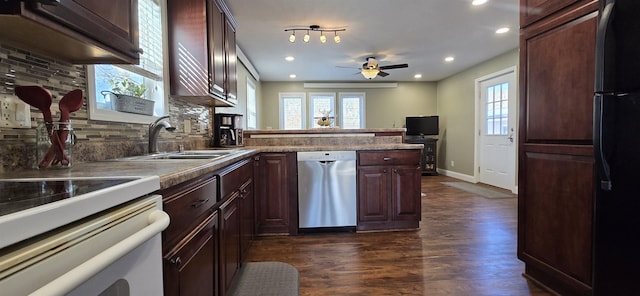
x,y
183,155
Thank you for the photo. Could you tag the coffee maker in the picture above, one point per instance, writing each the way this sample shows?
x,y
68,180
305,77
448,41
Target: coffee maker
x,y
227,130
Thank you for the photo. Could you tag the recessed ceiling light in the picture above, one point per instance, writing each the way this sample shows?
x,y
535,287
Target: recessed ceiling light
x,y
478,2
289,58
292,76
449,59
502,30
417,76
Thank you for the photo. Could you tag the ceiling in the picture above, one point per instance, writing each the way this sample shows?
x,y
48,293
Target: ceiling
x,y
420,33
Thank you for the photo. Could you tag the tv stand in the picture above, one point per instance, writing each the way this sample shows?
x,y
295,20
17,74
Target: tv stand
x,y
429,160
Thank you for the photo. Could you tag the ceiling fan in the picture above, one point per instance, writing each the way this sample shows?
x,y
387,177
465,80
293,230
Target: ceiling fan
x,y
370,69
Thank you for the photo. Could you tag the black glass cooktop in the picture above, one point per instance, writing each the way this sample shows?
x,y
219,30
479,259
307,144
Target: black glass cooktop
x,y
20,195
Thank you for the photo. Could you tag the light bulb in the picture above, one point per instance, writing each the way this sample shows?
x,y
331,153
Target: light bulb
x,y
323,38
336,38
292,38
306,37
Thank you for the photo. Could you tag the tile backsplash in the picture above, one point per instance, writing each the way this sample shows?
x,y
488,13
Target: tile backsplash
x,y
96,140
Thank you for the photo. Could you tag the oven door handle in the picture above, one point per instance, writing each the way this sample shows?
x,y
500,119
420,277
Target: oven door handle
x,y
158,221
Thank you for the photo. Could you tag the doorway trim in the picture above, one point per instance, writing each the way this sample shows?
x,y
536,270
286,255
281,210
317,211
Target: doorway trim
x,y
477,97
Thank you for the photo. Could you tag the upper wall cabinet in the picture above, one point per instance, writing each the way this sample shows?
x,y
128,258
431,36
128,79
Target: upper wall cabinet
x,y
202,51
533,10
77,31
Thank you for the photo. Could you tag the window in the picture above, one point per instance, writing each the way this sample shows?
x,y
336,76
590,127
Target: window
x,y
498,110
252,113
322,105
147,76
292,111
352,110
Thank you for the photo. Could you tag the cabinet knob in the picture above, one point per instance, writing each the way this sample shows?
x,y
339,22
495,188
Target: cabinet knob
x,y
139,50
387,158
176,261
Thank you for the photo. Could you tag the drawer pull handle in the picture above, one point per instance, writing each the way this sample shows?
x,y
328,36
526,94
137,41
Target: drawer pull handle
x,y
199,203
387,158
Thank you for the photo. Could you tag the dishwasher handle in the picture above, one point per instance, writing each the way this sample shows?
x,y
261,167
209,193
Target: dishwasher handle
x,y
326,162
158,221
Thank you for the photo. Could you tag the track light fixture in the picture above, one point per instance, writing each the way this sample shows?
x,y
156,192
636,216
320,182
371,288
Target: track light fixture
x,y
314,28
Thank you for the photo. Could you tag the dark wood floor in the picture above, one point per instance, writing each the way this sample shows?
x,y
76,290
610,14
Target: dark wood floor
x,y
466,245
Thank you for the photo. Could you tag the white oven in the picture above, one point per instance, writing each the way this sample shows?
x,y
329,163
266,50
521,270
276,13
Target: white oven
x,y
111,252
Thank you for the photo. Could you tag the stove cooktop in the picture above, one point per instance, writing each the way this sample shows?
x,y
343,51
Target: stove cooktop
x,y
16,196
33,206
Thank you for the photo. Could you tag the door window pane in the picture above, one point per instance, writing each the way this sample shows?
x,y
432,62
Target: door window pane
x,y
497,106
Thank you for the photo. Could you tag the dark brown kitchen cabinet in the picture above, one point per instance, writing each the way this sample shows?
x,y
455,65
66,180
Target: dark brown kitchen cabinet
x,y
276,193
556,167
230,237
198,51
237,218
78,31
190,269
389,189
247,218
190,242
231,61
533,10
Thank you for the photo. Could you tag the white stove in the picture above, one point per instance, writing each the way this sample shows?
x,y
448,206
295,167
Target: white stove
x,y
81,236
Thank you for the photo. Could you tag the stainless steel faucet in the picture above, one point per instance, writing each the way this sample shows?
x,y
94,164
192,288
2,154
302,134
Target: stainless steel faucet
x,y
154,130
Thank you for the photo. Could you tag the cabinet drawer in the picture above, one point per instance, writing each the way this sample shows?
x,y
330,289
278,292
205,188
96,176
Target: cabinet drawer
x,y
234,176
389,157
188,205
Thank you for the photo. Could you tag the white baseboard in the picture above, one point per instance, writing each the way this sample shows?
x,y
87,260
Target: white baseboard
x,y
456,175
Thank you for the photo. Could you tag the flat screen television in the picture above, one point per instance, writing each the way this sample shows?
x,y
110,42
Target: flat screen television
x,y
422,125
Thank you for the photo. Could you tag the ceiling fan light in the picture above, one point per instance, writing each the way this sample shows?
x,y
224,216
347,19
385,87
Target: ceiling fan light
x,y
323,39
292,37
370,73
306,37
336,38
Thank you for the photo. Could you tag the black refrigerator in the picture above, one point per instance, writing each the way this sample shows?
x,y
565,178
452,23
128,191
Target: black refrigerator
x,y
616,245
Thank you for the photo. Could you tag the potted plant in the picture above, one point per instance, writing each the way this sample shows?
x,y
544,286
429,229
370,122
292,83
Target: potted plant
x,y
126,95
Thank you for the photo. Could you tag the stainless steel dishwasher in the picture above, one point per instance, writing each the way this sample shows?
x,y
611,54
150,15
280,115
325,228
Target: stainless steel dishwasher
x,y
327,190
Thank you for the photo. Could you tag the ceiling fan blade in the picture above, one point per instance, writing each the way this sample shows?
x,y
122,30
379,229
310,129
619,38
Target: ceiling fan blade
x,y
383,74
347,67
394,66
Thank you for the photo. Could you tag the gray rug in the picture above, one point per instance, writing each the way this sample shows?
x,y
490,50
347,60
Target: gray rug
x,y
479,190
267,279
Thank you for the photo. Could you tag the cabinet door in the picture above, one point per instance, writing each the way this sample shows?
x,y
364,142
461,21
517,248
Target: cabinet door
x,y
232,60
277,185
188,48
405,184
558,79
229,241
533,10
373,196
247,223
190,269
217,49
110,25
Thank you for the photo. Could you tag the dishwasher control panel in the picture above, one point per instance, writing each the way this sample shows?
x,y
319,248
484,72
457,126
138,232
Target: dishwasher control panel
x,y
326,155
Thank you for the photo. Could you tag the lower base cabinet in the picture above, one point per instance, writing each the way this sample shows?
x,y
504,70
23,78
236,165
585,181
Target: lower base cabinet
x,y
230,242
191,268
389,189
277,193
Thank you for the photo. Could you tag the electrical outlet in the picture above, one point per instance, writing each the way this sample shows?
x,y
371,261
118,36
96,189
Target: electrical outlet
x,y
14,112
453,163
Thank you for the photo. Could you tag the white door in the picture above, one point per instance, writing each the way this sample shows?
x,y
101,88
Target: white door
x,y
497,120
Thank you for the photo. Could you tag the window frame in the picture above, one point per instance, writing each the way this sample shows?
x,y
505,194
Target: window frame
x,y
96,113
312,119
303,105
363,110
252,106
